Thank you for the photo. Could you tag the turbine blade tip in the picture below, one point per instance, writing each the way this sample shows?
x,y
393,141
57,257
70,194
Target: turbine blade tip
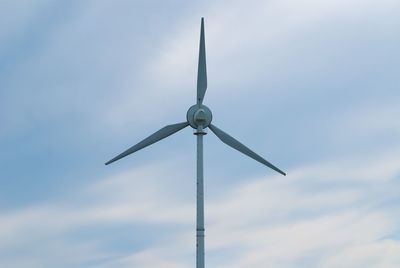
x,y
281,172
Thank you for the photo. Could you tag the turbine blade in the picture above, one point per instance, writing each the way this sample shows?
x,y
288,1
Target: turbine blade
x,y
202,70
227,139
159,135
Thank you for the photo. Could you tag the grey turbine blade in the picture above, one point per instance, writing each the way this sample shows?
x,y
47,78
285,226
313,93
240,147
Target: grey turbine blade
x,y
159,135
202,70
225,138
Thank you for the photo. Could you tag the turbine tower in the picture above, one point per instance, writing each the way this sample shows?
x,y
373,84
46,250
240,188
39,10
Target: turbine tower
x,y
199,117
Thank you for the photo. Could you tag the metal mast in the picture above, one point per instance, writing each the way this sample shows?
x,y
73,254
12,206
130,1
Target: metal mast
x,y
200,203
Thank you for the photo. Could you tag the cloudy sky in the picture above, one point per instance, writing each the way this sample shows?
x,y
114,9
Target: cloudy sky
x,y
313,86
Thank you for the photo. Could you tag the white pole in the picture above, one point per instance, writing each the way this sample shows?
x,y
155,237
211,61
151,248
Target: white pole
x,y
200,201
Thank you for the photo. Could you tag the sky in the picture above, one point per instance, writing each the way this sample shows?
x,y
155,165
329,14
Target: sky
x,y
312,86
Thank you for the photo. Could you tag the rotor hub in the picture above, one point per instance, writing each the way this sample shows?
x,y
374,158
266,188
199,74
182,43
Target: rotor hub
x,y
199,116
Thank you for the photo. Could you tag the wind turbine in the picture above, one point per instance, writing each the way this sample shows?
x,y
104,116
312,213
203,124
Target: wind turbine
x,y
198,117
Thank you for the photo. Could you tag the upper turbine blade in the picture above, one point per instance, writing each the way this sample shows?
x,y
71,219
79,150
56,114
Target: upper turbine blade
x,y
159,135
202,70
225,138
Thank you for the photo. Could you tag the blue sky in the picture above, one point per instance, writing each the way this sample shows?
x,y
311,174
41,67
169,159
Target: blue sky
x,y
311,85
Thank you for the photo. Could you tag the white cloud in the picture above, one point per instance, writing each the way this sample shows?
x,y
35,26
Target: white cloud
x,y
383,253
148,259
275,221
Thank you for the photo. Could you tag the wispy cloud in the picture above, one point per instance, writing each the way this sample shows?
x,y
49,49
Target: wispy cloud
x,y
272,221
